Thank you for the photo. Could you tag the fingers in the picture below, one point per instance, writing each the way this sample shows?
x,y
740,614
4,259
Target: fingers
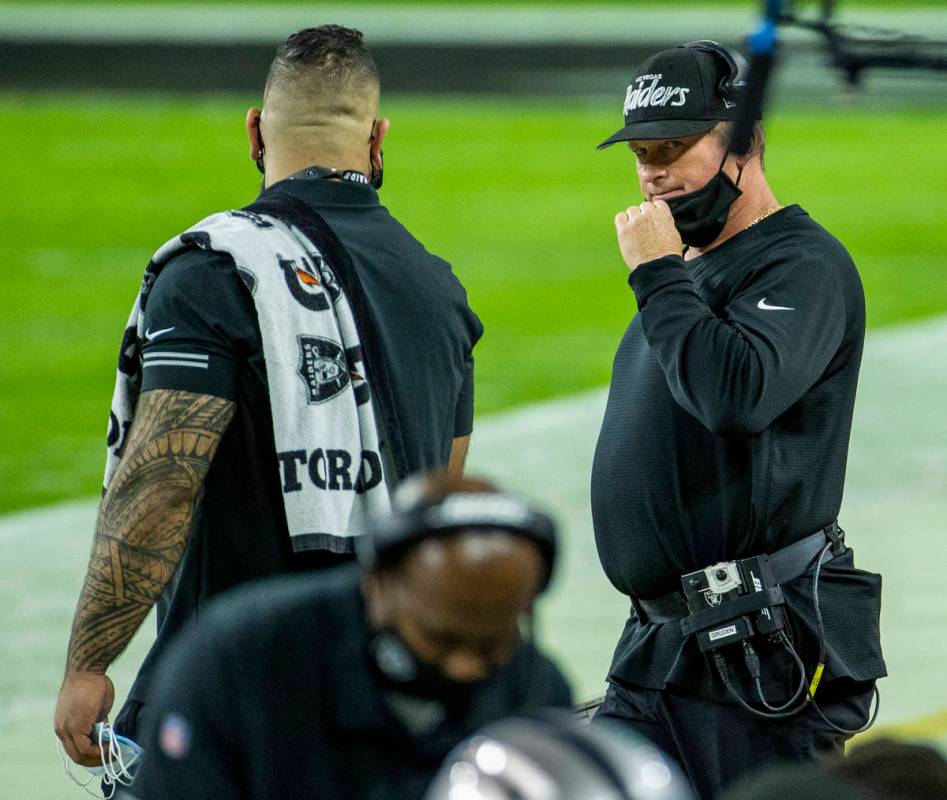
x,y
626,216
84,698
80,747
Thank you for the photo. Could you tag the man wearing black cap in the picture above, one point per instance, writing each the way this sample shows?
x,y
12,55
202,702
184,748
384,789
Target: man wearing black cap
x,y
356,684
725,438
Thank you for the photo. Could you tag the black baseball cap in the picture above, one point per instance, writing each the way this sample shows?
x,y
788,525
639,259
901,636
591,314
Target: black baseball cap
x,y
681,92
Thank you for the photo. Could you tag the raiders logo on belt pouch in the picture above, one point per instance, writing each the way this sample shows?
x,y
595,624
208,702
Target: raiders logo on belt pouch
x,y
323,368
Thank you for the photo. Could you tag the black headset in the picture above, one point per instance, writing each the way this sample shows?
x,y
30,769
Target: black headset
x,y
417,519
733,82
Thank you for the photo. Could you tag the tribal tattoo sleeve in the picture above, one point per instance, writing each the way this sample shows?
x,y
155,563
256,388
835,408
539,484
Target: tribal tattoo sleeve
x,y
144,520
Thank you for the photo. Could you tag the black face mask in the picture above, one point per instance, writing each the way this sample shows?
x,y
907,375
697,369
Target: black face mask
x,y
700,216
398,669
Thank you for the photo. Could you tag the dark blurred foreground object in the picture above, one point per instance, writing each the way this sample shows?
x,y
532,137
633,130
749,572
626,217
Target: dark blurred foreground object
x,y
880,770
550,757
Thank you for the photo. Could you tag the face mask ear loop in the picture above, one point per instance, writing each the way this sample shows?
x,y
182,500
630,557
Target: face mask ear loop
x,y
126,773
107,778
65,765
123,773
105,760
118,775
739,168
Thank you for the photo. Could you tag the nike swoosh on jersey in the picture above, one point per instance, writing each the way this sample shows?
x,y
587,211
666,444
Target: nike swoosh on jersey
x,y
763,305
149,335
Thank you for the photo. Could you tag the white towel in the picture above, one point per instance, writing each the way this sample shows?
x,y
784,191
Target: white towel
x,y
322,406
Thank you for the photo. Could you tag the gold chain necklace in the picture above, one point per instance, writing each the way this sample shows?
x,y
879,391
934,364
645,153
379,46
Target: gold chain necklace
x,y
764,215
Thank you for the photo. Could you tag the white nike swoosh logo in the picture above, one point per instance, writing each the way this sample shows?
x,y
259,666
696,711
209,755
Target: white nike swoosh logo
x,y
149,335
762,304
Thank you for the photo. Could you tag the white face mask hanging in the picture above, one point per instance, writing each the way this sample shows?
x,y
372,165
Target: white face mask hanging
x,y
120,759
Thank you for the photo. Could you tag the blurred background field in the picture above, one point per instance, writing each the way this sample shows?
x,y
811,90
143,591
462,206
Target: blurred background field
x,y
508,187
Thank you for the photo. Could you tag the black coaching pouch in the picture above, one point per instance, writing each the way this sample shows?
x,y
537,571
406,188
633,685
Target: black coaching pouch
x,y
850,602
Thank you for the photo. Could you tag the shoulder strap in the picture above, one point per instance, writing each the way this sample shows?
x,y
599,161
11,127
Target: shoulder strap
x,y
292,210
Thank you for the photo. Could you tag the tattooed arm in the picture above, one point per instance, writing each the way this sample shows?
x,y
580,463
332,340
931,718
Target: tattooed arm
x,y
143,524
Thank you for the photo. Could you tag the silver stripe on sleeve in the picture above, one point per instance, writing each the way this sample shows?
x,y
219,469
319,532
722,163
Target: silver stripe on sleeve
x,y
169,354
174,363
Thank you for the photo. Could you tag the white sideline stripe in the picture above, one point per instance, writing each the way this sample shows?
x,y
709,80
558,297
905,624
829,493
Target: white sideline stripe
x,y
434,24
170,354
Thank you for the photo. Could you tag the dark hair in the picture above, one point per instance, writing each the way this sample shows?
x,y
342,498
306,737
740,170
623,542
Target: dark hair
x,y
333,52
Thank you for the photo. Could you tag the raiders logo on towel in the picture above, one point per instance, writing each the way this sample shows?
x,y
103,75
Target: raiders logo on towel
x,y
323,368
248,278
329,282
359,385
304,284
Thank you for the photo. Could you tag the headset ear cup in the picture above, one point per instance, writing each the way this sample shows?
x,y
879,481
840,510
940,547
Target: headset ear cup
x,y
731,84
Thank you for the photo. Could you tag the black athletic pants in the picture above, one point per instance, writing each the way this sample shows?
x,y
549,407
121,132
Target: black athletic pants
x,y
715,743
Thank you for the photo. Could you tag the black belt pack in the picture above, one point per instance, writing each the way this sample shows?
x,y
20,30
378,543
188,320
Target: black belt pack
x,y
731,601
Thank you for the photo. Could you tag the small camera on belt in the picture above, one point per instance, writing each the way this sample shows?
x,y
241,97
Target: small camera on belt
x,y
732,601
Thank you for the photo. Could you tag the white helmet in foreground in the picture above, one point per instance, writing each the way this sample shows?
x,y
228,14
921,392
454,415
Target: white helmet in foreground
x,y
549,757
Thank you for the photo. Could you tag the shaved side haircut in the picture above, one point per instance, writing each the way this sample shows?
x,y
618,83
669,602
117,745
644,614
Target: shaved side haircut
x,y
331,52
321,95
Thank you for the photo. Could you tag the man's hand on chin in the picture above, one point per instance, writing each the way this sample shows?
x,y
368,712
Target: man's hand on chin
x,y
646,232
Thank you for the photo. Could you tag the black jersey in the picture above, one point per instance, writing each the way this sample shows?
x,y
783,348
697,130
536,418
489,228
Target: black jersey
x,y
272,695
728,419
726,431
202,335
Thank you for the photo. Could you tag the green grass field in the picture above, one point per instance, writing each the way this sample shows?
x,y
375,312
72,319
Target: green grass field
x,y
512,192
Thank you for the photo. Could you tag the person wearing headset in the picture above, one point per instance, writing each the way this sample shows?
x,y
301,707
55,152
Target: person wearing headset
x,y
725,438
357,683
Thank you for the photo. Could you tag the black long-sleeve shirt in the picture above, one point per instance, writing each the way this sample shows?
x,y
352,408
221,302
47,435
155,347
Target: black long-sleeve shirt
x,y
728,419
